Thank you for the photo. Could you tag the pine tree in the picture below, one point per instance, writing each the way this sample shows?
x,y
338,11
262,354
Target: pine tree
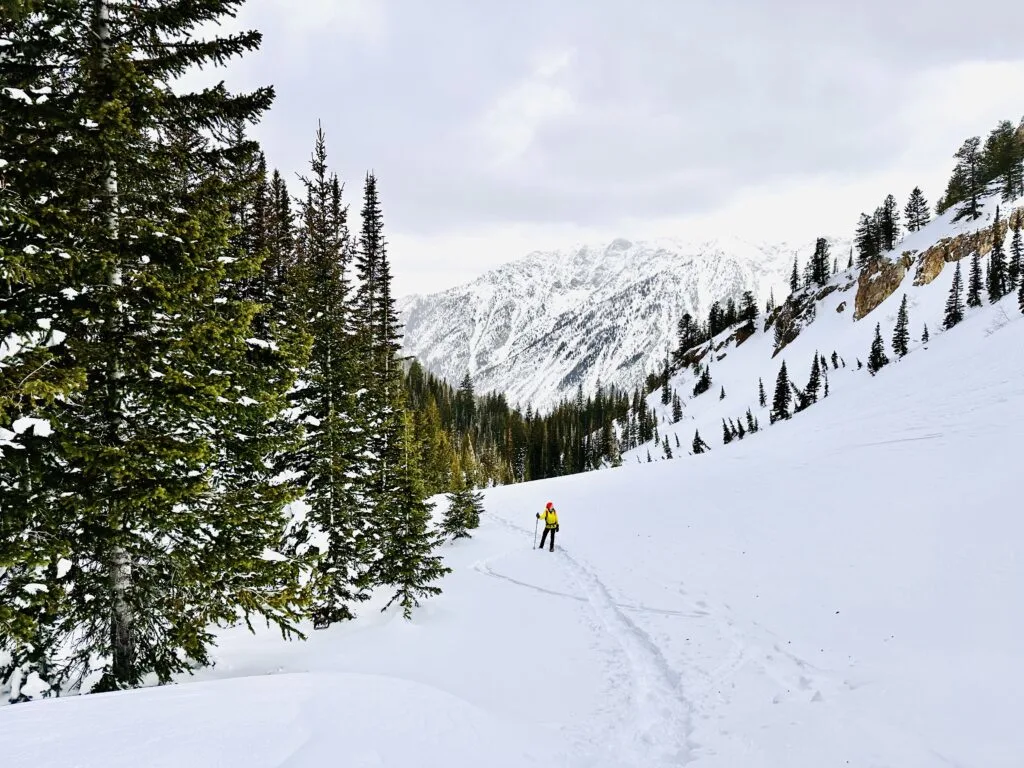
x,y
465,505
726,433
411,565
890,223
761,399
329,458
1020,295
677,408
970,183
954,304
138,496
751,422
924,334
794,278
819,262
748,309
877,358
1014,272
974,282
666,391
722,395
997,267
783,396
814,382
699,446
901,333
868,240
916,211
666,448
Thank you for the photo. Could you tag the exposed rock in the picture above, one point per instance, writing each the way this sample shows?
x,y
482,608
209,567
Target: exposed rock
x,y
950,249
790,317
878,280
842,307
743,333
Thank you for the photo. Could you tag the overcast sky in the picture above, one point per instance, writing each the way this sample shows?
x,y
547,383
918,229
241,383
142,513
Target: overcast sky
x,y
497,127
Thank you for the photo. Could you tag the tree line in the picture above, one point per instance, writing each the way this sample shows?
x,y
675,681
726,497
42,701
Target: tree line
x,y
203,412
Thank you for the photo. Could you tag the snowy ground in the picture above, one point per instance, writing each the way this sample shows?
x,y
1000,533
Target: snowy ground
x,y
845,589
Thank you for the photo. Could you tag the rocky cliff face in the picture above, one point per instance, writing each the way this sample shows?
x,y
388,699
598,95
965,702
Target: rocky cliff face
x,y
950,249
877,282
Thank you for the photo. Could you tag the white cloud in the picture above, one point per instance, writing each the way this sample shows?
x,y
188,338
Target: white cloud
x,y
506,130
360,20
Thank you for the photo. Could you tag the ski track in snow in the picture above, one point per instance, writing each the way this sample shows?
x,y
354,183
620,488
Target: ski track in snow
x,y
658,732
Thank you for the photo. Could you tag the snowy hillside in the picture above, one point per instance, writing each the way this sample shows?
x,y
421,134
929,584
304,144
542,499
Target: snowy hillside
x,y
536,329
831,328
843,589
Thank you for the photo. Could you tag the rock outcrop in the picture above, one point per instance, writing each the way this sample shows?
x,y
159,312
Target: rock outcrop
x,y
878,280
950,249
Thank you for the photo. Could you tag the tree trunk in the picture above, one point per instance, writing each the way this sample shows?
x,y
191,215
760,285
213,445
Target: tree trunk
x,y
120,573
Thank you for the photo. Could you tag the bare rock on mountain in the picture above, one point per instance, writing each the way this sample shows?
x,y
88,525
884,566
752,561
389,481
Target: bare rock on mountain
x,y
878,281
950,249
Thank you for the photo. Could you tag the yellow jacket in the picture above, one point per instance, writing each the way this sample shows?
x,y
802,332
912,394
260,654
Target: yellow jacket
x,y
550,518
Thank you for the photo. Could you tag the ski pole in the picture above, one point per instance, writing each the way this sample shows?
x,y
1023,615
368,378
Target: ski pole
x,y
536,523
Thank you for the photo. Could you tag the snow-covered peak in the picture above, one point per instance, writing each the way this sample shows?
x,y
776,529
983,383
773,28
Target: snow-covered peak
x,y
539,327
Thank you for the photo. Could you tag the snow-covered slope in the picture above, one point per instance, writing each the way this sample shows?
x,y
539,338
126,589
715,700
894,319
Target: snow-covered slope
x,y
843,589
832,329
537,328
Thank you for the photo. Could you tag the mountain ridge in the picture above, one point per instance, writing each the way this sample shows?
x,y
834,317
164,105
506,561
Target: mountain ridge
x,y
512,326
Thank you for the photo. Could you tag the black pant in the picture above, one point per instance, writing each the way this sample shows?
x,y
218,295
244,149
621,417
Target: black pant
x,y
544,535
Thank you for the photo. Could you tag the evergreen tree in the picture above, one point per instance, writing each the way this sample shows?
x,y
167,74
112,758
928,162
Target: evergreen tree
x,y
890,223
924,334
868,240
794,278
751,422
1000,160
761,399
666,448
703,383
916,212
465,505
998,281
877,358
849,263
819,262
411,565
150,538
699,446
1015,271
974,282
954,304
677,408
666,391
1020,295
783,396
969,183
748,309
330,455
814,382
722,395
901,333
726,433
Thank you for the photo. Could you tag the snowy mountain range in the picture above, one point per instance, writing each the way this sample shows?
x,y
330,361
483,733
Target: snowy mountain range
x,y
538,328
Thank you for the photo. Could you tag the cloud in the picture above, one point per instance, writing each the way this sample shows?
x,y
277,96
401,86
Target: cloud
x,y
349,20
509,126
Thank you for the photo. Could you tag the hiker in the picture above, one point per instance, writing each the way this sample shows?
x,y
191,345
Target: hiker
x,y
550,518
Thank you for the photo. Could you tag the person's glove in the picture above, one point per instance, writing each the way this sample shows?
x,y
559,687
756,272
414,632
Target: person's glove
x,y
558,527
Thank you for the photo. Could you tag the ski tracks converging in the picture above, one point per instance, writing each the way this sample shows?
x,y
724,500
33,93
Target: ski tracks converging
x,y
658,734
